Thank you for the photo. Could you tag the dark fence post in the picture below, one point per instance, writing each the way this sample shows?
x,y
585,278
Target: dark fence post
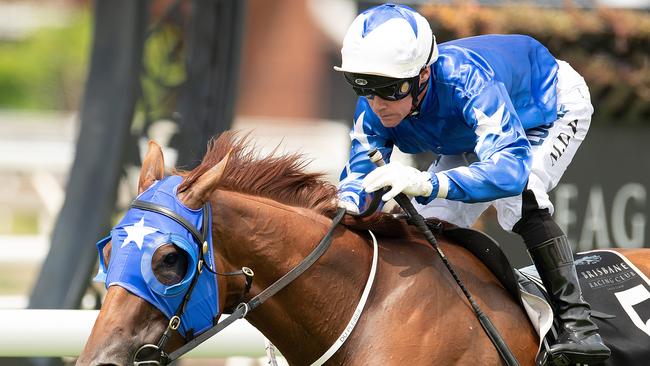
x,y
106,114
208,98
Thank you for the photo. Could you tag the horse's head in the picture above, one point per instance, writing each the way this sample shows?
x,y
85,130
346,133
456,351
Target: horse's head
x,y
158,253
162,249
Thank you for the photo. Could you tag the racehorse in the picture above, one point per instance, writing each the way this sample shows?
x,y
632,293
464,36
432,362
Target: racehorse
x,y
268,214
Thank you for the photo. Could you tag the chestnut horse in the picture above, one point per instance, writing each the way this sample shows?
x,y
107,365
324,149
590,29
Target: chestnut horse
x,y
268,214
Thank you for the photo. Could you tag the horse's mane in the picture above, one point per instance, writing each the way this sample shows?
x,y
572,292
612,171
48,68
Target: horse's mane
x,y
278,177
282,178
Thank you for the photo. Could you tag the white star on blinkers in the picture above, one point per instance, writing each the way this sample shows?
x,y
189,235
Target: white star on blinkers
x,y
136,233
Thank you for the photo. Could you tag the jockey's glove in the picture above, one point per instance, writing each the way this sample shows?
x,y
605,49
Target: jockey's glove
x,y
402,179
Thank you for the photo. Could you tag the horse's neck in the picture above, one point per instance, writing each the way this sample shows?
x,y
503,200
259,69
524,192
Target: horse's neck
x,y
272,238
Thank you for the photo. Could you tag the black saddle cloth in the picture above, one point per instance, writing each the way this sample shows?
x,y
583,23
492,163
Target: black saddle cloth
x,y
618,292
619,295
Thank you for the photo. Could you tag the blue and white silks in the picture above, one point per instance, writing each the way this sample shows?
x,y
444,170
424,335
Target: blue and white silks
x,y
483,94
134,241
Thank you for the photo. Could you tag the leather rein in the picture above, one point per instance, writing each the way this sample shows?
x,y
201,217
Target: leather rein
x,y
154,354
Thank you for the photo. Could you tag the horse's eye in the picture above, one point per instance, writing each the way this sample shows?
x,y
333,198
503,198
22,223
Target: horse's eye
x,y
169,264
171,259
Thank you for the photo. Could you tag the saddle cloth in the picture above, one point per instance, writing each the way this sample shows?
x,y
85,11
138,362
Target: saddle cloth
x,y
613,285
609,281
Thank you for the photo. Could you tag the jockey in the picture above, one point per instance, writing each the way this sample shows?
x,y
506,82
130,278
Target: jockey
x,y
505,119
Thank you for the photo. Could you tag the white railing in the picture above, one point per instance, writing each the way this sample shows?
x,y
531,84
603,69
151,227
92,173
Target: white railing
x,y
63,333
25,249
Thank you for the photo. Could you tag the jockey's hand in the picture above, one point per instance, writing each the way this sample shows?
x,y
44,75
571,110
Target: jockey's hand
x,y
402,179
348,206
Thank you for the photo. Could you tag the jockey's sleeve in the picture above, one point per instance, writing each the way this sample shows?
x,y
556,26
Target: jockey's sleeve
x,y
502,148
366,134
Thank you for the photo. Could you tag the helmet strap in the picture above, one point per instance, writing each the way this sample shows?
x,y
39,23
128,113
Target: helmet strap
x,y
415,92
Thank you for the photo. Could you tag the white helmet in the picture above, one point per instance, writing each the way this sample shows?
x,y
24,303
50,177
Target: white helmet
x,y
388,40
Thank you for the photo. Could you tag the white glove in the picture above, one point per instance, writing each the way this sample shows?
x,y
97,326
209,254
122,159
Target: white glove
x,y
348,206
401,178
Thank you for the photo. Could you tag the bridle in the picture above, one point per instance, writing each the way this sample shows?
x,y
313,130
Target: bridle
x,y
201,239
154,354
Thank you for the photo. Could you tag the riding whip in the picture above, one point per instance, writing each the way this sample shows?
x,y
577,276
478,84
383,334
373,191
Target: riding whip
x,y
419,222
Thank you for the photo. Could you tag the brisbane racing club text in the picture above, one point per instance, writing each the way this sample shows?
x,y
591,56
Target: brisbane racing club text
x,y
606,276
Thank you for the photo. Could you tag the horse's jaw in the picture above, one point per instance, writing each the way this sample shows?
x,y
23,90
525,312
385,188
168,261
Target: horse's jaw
x,y
272,239
125,323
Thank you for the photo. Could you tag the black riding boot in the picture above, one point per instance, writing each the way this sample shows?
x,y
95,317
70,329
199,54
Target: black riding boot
x,y
579,341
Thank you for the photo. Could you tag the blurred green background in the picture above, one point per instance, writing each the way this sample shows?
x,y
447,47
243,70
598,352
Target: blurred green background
x,y
45,69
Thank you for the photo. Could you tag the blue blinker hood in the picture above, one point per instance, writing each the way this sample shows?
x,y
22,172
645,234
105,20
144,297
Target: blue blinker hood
x,y
137,237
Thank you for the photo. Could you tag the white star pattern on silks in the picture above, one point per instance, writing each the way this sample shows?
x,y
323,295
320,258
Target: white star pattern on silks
x,y
136,233
488,125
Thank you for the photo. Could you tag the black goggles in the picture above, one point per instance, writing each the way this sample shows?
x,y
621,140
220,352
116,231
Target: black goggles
x,y
386,88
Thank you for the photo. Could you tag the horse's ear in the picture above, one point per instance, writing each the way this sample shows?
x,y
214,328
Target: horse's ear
x,y
153,167
199,192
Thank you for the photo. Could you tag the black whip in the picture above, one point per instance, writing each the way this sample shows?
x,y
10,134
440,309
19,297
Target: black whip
x,y
419,222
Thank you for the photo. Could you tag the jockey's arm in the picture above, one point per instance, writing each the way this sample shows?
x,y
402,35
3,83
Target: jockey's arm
x,y
365,135
502,148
